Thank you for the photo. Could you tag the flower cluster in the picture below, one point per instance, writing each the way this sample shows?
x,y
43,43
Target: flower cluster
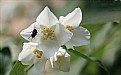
x,y
48,34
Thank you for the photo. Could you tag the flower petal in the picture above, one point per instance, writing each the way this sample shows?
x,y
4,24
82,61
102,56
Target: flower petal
x,y
40,65
62,34
65,65
27,33
27,56
73,19
47,18
80,37
49,47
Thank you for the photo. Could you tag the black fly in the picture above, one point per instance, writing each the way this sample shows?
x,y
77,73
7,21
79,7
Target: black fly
x,y
33,33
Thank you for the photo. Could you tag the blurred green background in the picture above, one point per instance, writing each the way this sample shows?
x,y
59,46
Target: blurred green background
x,y
101,17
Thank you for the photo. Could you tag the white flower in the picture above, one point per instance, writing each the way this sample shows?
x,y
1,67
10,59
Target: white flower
x,y
31,55
48,32
61,60
71,22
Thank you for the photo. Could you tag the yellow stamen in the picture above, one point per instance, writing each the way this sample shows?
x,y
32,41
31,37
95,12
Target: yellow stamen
x,y
48,33
38,53
69,27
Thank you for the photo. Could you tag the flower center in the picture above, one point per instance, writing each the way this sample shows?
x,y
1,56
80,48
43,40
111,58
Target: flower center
x,y
69,27
48,33
38,53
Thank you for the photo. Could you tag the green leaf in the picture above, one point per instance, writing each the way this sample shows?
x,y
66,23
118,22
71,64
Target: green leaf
x,y
5,60
18,69
92,59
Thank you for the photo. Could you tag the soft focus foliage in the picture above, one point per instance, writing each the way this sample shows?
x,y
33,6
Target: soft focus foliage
x,y
101,18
